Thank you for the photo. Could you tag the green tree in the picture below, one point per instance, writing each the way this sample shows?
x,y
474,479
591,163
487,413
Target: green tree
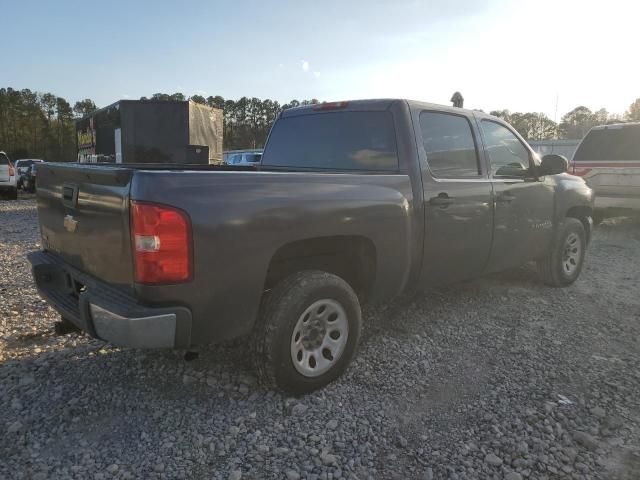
x,y
84,107
633,114
533,126
577,123
65,130
198,99
216,102
503,114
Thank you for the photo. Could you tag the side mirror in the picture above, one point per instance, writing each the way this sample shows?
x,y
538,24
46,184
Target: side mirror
x,y
554,164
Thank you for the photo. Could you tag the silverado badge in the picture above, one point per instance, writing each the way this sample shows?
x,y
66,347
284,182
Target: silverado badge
x,y
70,224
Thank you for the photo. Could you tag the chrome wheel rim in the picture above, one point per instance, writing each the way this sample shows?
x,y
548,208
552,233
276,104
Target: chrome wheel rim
x,y
571,254
319,338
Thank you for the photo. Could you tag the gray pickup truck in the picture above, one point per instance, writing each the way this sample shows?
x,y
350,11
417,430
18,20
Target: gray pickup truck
x,y
353,202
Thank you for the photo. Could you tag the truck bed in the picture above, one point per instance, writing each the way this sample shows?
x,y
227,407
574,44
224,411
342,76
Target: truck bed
x,y
240,218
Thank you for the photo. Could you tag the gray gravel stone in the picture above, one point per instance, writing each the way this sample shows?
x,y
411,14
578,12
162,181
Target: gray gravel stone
x,y
299,409
15,427
292,475
513,476
586,440
493,459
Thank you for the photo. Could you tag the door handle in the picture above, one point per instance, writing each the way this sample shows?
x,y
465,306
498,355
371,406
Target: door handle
x,y
506,197
442,200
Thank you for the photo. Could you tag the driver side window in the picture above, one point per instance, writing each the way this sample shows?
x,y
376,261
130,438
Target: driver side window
x,y
507,156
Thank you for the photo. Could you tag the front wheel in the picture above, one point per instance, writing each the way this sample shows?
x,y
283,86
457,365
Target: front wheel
x,y
563,263
308,332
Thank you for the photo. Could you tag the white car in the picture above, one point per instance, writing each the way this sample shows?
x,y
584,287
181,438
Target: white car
x,y
243,157
7,178
608,158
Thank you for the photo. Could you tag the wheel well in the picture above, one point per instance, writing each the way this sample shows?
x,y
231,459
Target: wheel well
x,y
583,214
352,258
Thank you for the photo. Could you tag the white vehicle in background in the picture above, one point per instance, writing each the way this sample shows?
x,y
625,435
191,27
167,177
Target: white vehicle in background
x,y
7,178
243,157
608,158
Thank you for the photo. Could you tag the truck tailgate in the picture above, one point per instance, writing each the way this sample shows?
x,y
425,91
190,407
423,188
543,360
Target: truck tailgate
x,y
84,218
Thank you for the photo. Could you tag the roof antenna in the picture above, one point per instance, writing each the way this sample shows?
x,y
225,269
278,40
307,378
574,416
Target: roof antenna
x,y
457,99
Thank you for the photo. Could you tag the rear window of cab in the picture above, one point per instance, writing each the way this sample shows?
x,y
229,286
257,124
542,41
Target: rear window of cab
x,y
334,141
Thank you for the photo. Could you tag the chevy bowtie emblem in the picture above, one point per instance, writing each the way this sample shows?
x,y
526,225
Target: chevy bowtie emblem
x,y
70,224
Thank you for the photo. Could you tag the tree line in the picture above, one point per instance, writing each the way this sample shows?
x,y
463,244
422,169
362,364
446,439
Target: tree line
x,y
41,125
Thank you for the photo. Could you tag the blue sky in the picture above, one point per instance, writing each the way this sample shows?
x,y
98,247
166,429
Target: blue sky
x,y
519,55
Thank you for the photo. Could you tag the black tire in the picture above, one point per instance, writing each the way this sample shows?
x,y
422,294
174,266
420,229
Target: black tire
x,y
552,268
13,194
281,312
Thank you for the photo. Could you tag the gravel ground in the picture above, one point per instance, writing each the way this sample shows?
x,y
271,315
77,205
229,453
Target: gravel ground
x,y
498,378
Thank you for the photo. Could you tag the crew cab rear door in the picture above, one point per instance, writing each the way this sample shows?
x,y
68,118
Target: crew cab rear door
x,y
457,196
523,204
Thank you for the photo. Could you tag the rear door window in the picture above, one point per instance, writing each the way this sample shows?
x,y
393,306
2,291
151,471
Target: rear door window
x,y
4,160
618,143
449,144
507,155
334,141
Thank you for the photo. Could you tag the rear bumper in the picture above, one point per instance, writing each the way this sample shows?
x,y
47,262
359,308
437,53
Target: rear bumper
x,y
107,312
617,202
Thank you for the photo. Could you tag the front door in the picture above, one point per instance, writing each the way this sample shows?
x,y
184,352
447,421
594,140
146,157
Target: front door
x,y
458,210
523,203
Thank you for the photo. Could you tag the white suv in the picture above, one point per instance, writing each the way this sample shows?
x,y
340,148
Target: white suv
x,y
7,178
608,158
243,157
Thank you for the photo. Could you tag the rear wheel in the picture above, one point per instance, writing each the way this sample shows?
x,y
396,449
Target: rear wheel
x,y
563,263
308,332
13,194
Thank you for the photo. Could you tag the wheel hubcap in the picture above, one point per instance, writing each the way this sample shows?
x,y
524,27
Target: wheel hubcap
x,y
319,337
571,254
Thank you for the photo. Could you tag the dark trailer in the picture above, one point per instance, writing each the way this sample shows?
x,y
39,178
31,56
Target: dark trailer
x,y
150,131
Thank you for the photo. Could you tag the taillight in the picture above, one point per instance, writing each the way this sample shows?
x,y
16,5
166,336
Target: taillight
x,y
12,171
580,171
330,106
161,243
